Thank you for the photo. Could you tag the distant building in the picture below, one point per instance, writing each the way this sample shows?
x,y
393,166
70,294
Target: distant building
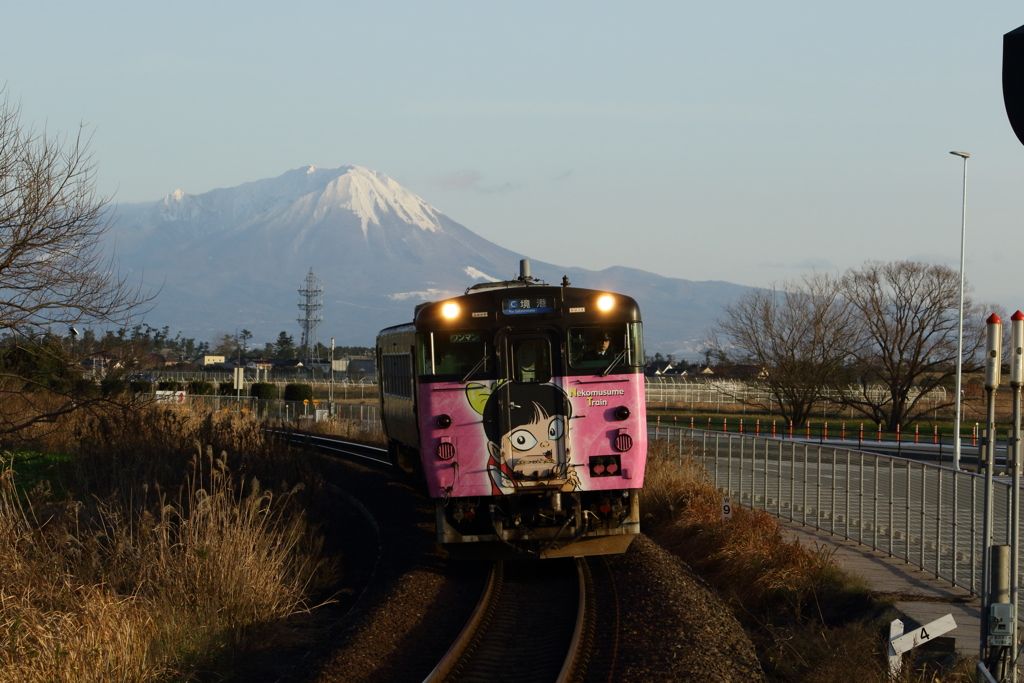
x,y
212,360
361,368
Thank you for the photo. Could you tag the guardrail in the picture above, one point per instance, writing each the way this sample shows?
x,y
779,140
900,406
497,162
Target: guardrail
x,y
925,514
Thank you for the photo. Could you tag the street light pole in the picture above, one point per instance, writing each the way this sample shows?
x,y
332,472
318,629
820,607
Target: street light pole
x,y
960,324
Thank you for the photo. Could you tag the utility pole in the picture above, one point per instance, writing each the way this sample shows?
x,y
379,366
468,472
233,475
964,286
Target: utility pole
x,y
993,368
312,301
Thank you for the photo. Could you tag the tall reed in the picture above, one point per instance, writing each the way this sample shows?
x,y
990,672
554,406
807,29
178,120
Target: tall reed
x,y
149,580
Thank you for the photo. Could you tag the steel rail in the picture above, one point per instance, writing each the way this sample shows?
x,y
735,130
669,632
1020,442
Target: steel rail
x,y
574,667
470,634
331,445
488,615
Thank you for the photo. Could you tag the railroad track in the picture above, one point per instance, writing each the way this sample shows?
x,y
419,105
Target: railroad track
x,y
534,623
336,446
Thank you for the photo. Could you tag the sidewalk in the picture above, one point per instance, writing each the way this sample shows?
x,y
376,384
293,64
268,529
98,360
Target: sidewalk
x,y
921,598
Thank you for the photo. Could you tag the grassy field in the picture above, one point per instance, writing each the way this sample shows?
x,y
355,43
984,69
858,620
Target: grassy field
x,y
151,548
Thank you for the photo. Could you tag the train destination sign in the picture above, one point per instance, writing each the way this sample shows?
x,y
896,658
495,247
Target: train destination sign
x,y
527,306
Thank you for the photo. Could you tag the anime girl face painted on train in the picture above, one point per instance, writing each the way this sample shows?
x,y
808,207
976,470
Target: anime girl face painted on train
x,y
526,427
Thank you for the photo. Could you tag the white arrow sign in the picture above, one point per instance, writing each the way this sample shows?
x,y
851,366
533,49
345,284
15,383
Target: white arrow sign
x,y
923,634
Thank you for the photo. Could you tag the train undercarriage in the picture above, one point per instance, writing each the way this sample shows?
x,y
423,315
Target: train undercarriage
x,y
540,524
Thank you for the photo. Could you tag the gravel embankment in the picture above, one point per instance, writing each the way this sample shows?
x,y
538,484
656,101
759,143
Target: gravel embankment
x,y
671,626
665,625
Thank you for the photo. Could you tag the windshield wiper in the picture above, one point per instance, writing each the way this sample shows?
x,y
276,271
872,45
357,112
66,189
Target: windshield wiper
x,y
475,368
615,361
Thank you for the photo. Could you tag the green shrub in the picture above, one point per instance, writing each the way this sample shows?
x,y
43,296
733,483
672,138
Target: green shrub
x,y
168,385
86,388
298,392
263,390
113,387
198,387
141,386
226,388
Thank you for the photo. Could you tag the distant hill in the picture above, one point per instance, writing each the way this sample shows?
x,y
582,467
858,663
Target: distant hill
x,y
234,258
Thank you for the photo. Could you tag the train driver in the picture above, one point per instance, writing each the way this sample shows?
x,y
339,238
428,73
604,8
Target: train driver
x,y
602,349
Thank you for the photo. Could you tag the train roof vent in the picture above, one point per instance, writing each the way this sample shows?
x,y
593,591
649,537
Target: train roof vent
x,y
524,280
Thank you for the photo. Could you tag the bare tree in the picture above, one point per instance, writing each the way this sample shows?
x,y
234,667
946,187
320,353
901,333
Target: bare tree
x,y
906,338
796,335
54,271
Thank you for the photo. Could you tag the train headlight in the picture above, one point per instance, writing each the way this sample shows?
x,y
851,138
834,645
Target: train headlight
x,y
450,310
605,302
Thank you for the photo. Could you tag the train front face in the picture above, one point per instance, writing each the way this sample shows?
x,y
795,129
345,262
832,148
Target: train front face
x,y
532,418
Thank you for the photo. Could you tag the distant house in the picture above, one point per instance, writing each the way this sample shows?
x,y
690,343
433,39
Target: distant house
x,y
101,363
153,360
741,372
212,360
658,368
285,363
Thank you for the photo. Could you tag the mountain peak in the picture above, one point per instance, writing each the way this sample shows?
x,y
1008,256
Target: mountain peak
x,y
370,195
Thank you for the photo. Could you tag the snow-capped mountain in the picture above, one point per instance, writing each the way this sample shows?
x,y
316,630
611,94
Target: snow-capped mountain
x,y
234,258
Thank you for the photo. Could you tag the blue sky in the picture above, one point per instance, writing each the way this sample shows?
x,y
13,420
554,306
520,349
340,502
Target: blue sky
x,y
738,141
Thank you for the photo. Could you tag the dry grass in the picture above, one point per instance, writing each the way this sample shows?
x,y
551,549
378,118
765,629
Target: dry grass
x,y
151,573
350,430
810,621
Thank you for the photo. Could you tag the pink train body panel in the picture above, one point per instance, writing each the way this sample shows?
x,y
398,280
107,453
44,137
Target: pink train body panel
x,y
592,431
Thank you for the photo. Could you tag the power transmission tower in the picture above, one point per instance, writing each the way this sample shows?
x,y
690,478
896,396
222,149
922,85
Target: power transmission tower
x,y
312,291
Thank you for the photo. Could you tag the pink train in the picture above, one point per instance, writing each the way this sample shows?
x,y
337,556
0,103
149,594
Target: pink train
x,y
520,406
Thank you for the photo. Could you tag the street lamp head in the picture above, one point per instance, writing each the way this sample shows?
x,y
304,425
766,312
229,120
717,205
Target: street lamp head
x,y
965,155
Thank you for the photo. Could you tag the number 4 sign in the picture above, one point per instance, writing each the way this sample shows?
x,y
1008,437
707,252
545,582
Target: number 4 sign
x,y
900,642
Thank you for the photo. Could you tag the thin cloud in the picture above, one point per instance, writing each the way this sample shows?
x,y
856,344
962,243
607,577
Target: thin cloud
x,y
807,264
462,180
471,181
815,264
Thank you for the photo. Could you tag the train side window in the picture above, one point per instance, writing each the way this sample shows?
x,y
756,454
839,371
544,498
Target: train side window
x,y
635,356
531,360
397,374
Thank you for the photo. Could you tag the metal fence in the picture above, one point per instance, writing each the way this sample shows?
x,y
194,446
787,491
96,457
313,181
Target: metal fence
x,y
925,514
367,414
675,390
928,515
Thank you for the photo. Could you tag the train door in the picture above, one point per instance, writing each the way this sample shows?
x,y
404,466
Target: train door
x,y
533,411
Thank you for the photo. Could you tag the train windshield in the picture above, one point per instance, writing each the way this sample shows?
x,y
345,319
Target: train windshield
x,y
461,353
598,346
531,360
